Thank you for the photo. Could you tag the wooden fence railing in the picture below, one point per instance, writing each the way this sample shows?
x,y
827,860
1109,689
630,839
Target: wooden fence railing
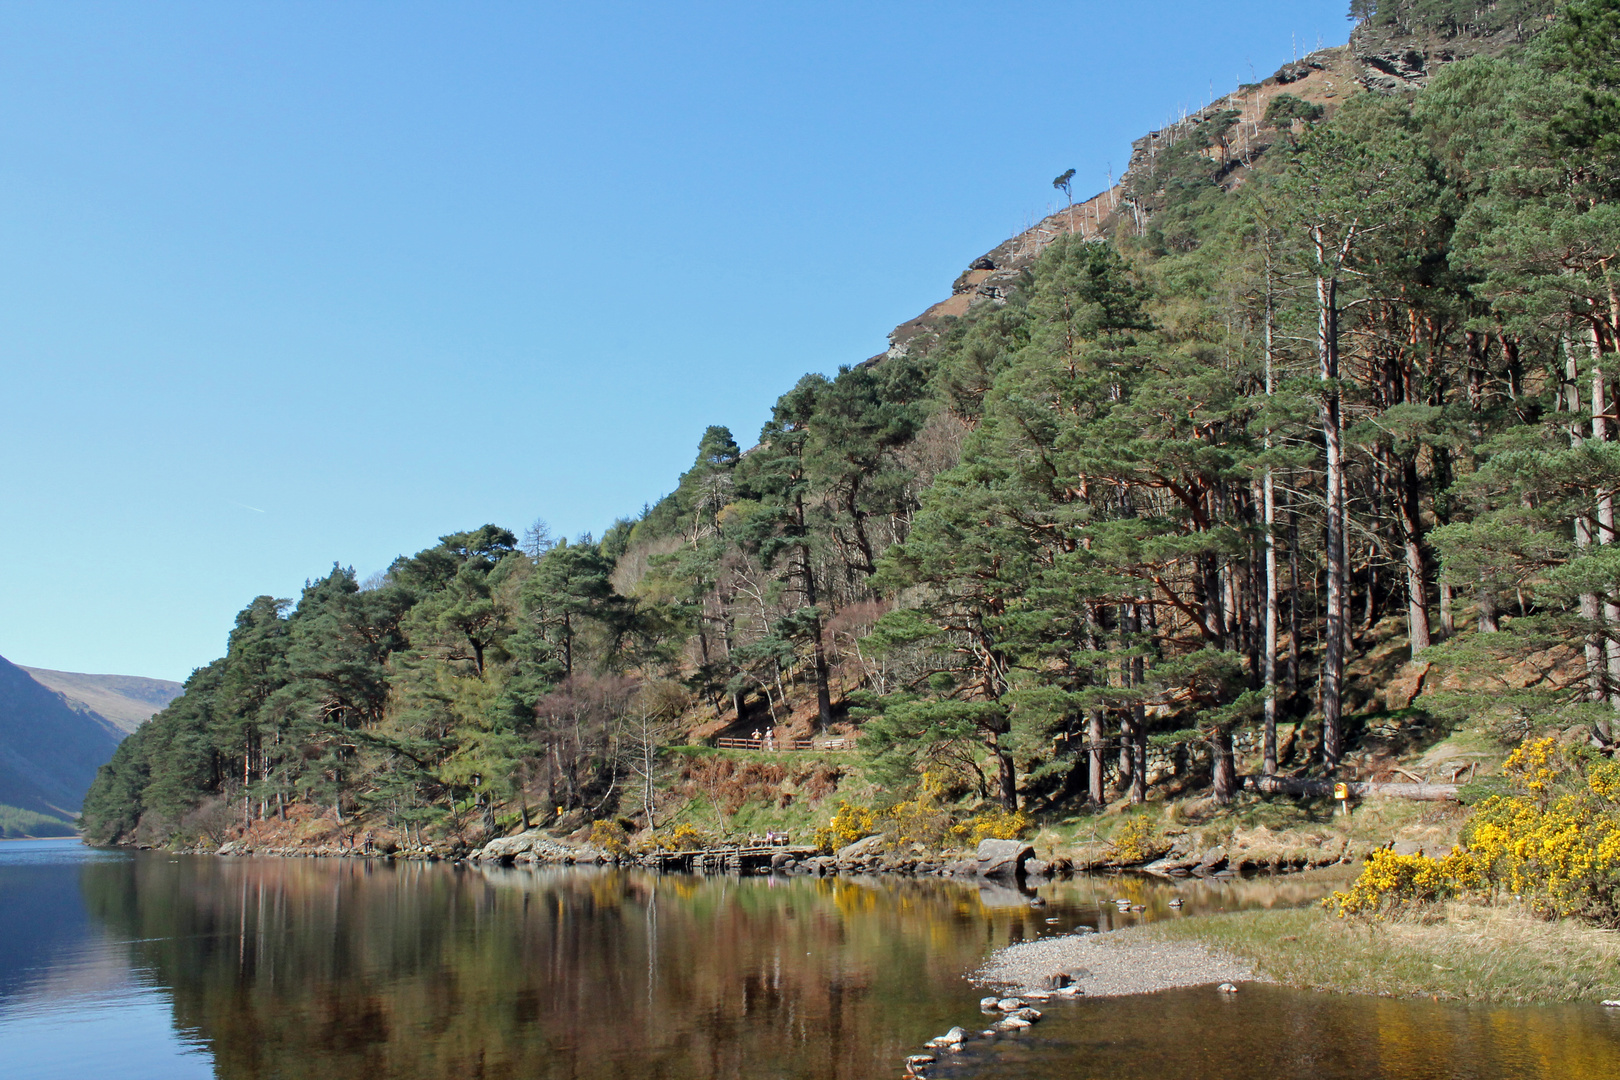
x,y
779,745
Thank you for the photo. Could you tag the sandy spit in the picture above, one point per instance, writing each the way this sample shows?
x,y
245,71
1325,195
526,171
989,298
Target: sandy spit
x,y
1112,964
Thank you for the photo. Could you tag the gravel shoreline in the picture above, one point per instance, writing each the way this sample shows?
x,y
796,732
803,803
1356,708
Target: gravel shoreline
x,y
1111,964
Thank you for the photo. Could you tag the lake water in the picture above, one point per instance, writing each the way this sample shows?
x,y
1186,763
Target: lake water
x,y
133,965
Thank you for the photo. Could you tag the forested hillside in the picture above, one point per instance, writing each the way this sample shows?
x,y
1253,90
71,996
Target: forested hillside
x,y
1335,360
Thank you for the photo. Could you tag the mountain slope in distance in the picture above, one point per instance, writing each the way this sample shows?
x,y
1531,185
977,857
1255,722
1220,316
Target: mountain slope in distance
x,y
127,700
49,749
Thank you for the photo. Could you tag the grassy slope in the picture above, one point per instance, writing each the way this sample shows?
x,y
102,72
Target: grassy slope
x,y
1464,953
127,700
747,802
17,823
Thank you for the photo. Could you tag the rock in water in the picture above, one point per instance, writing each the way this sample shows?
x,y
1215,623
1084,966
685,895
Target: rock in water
x,y
989,1004
1008,1005
1227,988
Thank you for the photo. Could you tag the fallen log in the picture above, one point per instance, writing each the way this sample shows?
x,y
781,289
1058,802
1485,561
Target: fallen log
x,y
1286,785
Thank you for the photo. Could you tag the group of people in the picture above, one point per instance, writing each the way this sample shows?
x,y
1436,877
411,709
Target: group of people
x,y
765,738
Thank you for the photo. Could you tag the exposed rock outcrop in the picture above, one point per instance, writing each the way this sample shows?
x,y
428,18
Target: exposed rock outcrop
x,y
535,847
1376,58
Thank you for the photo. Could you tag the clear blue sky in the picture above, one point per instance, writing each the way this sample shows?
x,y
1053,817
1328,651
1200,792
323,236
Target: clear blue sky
x,y
288,284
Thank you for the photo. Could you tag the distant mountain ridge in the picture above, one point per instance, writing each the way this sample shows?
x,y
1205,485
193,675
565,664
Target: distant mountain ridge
x,y
54,735
127,700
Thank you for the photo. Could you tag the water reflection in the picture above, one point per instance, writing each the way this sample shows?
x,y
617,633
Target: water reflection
x,y
71,1003
360,969
1265,1033
337,969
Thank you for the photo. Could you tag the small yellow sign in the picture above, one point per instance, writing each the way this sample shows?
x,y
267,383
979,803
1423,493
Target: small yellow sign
x,y
1341,791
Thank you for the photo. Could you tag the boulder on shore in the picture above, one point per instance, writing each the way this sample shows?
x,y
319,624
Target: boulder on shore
x,y
862,848
1003,858
532,846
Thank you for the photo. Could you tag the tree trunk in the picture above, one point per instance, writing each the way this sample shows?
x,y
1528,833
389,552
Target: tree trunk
x,y
823,687
247,778
1295,628
1270,748
1332,687
1223,769
1096,729
1127,752
647,762
1006,777
1591,609
1487,610
1605,521
1417,574
1127,715
1096,735
1138,741
1269,514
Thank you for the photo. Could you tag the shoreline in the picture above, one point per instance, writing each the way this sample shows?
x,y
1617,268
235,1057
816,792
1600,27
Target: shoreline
x,y
1462,952
1114,963
947,868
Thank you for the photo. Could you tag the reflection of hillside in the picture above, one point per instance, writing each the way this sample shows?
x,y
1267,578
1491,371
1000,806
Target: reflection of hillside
x,y
44,919
302,968
1266,1033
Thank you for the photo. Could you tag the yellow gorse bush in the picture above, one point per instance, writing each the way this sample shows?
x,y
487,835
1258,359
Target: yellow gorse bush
x,y
919,821
1390,883
848,824
1553,843
684,837
1138,842
995,825
610,836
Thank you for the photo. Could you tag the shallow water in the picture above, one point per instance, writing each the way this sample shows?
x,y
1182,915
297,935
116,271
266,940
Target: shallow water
x,y
148,964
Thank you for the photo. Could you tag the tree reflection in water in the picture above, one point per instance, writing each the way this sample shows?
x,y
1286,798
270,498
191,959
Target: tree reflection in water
x,y
334,969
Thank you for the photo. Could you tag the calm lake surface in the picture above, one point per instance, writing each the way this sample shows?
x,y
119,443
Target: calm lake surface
x,y
118,964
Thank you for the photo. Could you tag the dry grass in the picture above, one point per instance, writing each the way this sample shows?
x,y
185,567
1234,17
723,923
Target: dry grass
x,y
1464,952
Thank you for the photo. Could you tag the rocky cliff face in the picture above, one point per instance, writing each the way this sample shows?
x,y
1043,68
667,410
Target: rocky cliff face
x,y
1391,59
1381,59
